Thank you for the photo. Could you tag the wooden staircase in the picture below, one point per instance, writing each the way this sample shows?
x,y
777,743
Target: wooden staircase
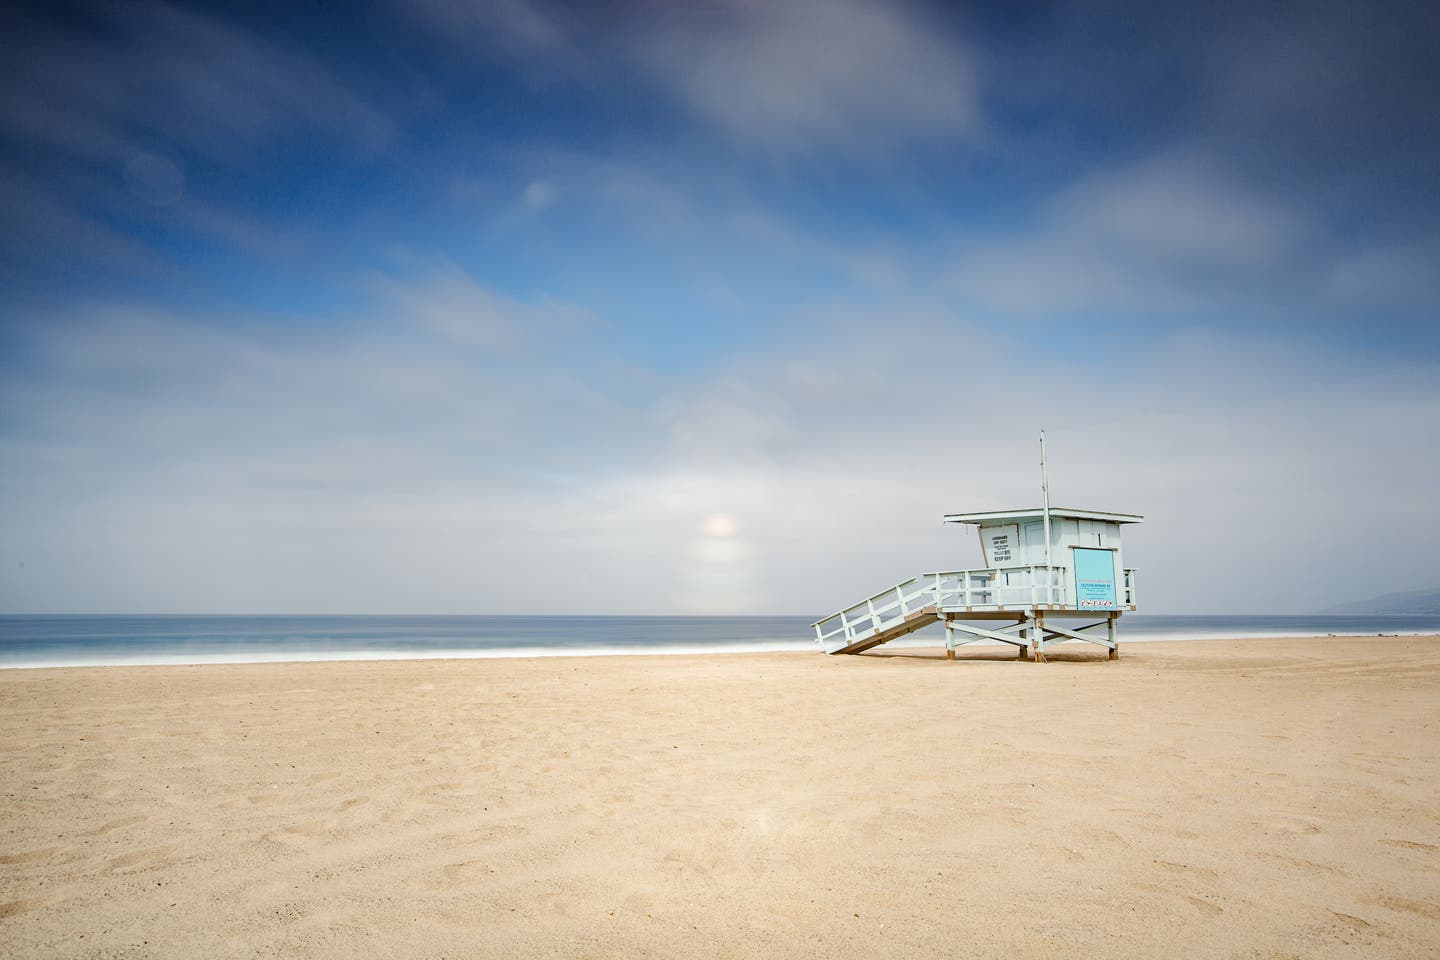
x,y
916,620
904,608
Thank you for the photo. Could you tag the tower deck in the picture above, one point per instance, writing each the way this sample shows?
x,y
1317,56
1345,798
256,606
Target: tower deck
x,y
1027,595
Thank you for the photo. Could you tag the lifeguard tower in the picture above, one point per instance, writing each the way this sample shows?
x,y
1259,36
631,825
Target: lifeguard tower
x,y
1044,569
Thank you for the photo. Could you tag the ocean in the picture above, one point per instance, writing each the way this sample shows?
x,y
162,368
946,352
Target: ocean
x,y
104,640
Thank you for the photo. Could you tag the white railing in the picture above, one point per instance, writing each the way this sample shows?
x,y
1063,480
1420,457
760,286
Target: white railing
x,y
996,588
873,614
989,589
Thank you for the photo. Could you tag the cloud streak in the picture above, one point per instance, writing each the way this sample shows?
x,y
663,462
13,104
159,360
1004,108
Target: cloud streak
x,y
100,98
156,463
1164,235
807,76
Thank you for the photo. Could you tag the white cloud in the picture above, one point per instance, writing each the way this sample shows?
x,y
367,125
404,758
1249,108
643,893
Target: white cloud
x,y
1164,235
449,302
153,463
1172,236
815,73
775,77
537,195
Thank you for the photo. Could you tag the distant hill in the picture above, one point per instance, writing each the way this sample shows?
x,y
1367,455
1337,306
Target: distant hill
x,y
1414,603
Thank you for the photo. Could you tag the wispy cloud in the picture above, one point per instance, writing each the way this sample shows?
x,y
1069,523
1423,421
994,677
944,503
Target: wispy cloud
x,y
773,78
154,73
142,440
534,32
117,115
808,76
1174,237
1165,235
155,461
449,302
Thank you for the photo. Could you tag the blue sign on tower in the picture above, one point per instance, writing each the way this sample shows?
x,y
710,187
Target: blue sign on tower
x,y
1095,579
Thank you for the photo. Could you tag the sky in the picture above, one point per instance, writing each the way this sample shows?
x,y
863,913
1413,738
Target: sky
x,y
516,306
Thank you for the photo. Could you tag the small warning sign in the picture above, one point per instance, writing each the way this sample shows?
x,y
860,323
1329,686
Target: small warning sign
x,y
1002,546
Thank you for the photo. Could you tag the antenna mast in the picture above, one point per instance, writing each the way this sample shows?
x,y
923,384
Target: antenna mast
x,y
1045,489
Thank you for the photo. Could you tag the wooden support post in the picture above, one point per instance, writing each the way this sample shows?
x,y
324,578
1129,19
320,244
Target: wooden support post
x,y
1114,653
1037,639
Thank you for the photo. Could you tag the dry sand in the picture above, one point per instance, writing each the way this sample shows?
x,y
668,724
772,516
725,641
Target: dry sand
x,y
1266,798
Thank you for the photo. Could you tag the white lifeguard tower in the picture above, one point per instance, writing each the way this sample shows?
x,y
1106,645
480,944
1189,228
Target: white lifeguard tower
x,y
1041,567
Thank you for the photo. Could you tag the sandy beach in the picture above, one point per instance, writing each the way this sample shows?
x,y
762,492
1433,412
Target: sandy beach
x,y
1263,798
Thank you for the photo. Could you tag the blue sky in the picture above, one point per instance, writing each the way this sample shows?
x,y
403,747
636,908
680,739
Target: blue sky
x,y
435,306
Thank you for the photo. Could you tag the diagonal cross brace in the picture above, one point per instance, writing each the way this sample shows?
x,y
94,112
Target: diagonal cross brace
x,y
1052,631
977,633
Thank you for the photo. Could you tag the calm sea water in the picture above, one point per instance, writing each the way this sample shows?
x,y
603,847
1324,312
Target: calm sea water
x,y
35,640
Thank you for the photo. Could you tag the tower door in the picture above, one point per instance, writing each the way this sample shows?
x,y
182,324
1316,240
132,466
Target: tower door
x,y
1033,536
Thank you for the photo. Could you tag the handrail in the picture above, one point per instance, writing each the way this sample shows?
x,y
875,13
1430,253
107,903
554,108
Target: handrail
x,y
880,618
866,610
876,596
1025,566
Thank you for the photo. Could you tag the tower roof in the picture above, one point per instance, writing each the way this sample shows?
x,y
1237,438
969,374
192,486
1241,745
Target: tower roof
x,y
1035,513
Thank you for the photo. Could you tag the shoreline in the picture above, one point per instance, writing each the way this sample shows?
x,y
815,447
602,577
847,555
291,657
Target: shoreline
x,y
582,652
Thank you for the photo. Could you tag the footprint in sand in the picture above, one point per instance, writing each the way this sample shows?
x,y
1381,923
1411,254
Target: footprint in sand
x,y
1422,908
1296,862
27,856
15,907
1143,814
1204,906
559,903
136,857
465,870
1185,868
1108,836
1404,844
1288,824
690,860
298,833
640,902
112,825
